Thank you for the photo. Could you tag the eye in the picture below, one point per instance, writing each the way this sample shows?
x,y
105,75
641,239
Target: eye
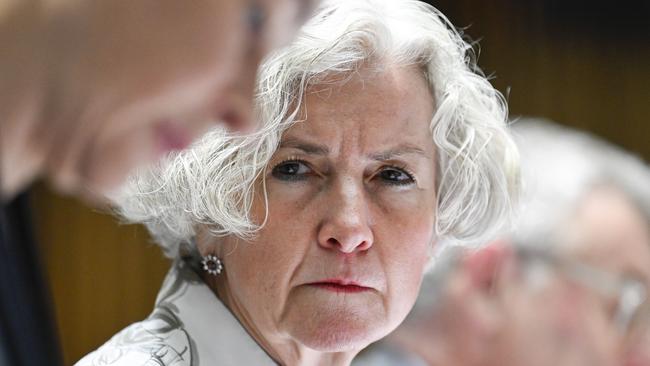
x,y
396,176
255,17
291,170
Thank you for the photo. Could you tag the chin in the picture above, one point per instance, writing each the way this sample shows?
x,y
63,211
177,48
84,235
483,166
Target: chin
x,y
95,186
105,169
339,333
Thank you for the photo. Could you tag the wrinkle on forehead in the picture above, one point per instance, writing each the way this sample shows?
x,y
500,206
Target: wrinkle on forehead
x,y
358,112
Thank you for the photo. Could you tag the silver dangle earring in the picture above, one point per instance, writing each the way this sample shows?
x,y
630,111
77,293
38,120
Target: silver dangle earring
x,y
212,264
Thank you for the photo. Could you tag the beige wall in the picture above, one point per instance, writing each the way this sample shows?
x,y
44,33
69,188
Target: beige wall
x,y
104,276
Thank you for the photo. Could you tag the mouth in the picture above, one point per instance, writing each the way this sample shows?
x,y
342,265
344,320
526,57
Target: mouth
x,y
171,137
339,286
236,118
233,121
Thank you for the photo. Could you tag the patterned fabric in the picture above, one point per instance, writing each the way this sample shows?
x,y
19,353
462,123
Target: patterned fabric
x,y
188,327
159,340
383,354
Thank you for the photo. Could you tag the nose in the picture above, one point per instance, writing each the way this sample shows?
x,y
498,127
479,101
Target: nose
x,y
248,76
238,114
346,226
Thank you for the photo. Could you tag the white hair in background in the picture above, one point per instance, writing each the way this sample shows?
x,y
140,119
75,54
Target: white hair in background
x,y
559,167
477,181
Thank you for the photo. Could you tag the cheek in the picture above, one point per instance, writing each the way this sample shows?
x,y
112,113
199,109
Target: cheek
x,y
111,157
257,265
288,201
268,262
408,258
405,248
405,225
262,267
255,279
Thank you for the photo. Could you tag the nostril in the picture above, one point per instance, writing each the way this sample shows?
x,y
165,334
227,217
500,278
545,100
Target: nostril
x,y
349,246
345,237
333,242
365,245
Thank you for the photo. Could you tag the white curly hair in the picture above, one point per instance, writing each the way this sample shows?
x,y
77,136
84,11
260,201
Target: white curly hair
x,y
213,182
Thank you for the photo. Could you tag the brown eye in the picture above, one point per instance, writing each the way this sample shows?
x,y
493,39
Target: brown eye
x,y
396,176
292,170
255,17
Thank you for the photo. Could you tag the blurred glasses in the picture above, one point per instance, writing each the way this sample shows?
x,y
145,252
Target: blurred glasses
x,y
629,296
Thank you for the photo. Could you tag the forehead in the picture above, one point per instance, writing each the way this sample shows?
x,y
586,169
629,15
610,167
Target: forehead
x,y
371,108
612,233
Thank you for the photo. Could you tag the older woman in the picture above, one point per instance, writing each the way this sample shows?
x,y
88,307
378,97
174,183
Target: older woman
x,y
306,241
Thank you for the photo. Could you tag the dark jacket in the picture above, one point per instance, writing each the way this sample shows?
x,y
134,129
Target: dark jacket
x,y
27,332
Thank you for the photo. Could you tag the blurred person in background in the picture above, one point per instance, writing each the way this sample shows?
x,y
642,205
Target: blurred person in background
x,y
569,285
306,241
92,89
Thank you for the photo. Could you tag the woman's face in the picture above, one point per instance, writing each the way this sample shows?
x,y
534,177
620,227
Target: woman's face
x,y
351,210
148,77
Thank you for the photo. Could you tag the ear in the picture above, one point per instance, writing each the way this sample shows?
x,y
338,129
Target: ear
x,y
471,316
485,264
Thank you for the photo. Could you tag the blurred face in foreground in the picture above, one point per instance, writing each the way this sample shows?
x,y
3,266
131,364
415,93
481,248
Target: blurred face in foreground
x,y
351,197
137,79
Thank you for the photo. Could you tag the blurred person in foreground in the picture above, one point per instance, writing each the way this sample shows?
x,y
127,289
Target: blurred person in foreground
x,y
90,89
304,242
569,286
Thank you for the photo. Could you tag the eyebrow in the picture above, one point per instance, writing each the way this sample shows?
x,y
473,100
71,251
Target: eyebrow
x,y
307,147
402,149
318,149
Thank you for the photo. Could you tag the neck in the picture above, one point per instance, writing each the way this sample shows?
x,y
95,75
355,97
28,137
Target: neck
x,y
278,345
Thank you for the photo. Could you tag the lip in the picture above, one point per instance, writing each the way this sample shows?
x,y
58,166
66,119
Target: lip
x,y
339,286
236,116
633,359
235,113
171,137
233,121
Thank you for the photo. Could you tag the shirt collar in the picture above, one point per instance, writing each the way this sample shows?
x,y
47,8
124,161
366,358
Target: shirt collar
x,y
216,335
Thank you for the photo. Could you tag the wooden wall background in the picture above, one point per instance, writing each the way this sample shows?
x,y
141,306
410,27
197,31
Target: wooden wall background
x,y
574,62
